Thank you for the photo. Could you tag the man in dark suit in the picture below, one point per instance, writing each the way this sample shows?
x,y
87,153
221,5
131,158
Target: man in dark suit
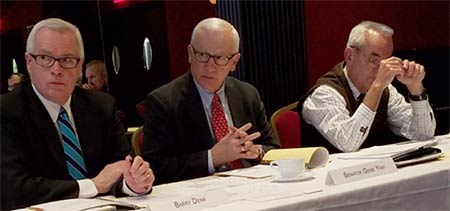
x,y
59,141
185,134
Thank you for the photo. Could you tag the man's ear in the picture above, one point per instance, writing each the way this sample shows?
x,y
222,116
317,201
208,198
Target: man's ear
x,y
234,61
190,54
348,54
28,61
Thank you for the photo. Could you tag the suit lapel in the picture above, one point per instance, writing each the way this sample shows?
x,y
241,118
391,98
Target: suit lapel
x,y
89,130
194,111
81,117
235,103
45,128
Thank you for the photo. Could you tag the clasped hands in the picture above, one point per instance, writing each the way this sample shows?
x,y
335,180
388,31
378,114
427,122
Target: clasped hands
x,y
235,145
407,72
136,173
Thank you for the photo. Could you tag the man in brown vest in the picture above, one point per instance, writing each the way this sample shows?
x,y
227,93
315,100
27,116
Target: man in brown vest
x,y
355,106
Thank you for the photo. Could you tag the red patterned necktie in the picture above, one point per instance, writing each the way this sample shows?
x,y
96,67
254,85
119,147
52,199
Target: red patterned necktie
x,y
220,126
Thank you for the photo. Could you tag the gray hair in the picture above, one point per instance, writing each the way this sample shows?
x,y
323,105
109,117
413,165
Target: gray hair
x,y
101,64
58,25
358,33
218,25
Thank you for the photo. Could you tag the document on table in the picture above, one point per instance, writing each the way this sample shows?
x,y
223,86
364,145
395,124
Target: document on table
x,y
82,205
313,156
270,191
254,172
386,151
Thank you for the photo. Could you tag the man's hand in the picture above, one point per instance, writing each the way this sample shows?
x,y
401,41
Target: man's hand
x,y
235,145
109,176
138,175
388,69
88,86
412,76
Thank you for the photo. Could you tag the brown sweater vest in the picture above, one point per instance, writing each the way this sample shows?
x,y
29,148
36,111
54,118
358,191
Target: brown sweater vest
x,y
379,133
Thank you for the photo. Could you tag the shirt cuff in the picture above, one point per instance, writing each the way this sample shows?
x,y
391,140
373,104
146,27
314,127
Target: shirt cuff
x,y
128,191
87,188
420,106
366,112
211,168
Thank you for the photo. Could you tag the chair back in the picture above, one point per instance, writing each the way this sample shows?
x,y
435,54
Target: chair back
x,y
285,123
136,140
140,108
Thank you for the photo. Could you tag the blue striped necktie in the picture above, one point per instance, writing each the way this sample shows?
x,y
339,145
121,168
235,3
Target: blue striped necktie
x,y
72,148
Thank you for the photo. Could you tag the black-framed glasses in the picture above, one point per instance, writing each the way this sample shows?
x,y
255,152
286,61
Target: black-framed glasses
x,y
218,60
48,61
372,59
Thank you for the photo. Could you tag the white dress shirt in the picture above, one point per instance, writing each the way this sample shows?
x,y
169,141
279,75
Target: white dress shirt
x,y
326,109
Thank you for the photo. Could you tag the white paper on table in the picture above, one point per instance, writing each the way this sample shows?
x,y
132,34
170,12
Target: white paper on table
x,y
254,172
190,187
72,205
270,191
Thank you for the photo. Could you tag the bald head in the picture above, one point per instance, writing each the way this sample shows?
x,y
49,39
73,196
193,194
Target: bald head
x,y
215,26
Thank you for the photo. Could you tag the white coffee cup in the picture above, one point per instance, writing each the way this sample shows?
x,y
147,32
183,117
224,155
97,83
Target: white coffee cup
x,y
290,167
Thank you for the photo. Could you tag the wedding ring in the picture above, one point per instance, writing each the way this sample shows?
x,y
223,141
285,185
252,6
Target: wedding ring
x,y
148,174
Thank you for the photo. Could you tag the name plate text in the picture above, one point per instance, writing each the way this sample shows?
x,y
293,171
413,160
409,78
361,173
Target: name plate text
x,y
195,202
360,171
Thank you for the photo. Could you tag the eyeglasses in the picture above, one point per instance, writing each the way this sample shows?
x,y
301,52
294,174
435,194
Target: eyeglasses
x,y
372,59
48,61
218,60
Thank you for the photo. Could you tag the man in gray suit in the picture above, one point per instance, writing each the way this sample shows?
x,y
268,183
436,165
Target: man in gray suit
x,y
206,121
59,141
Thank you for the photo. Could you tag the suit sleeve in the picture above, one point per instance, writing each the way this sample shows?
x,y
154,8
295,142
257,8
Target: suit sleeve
x,y
162,145
120,144
263,126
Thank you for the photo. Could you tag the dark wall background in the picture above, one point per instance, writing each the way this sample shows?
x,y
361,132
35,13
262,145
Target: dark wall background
x,y
416,24
272,48
421,33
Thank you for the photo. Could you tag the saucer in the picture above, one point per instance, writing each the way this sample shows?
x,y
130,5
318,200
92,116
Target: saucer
x,y
302,177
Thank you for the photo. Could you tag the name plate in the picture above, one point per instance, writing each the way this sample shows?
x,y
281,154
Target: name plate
x,y
195,202
360,171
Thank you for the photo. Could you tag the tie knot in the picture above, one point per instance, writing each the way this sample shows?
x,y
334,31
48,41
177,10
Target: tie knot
x,y
361,96
62,111
216,100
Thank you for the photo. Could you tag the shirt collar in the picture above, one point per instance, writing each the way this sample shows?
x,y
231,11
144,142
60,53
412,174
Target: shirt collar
x,y
53,108
207,96
355,91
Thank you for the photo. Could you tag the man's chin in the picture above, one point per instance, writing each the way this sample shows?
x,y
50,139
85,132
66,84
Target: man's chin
x,y
58,97
208,86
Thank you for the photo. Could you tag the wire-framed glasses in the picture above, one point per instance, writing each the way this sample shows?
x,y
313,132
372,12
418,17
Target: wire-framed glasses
x,y
372,59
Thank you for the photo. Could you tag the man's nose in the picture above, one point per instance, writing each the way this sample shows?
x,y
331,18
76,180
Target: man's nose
x,y
56,69
210,65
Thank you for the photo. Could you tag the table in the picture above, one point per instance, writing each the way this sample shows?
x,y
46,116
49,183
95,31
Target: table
x,y
424,186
